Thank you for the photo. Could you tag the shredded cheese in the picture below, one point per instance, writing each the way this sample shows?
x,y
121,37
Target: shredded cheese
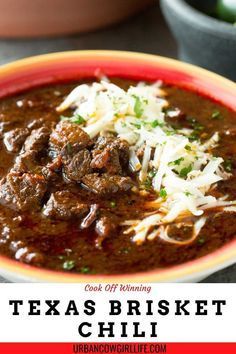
x,y
183,170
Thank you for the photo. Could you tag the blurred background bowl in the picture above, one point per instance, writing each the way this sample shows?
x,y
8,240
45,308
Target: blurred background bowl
x,y
34,18
202,39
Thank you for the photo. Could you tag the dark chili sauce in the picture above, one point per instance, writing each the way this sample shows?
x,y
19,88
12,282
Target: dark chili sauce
x,y
62,244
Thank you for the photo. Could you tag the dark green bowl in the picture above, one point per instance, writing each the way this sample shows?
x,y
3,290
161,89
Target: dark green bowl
x,y
202,39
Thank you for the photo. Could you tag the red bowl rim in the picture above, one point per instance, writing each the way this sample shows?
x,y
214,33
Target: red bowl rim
x,y
64,66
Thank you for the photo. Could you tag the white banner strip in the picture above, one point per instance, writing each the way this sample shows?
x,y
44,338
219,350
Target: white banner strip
x,y
117,313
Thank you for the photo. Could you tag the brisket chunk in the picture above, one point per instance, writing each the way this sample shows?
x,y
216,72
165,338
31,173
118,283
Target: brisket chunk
x,y
26,162
64,205
44,121
68,137
7,123
37,140
110,155
106,184
36,123
52,169
22,191
15,138
108,161
77,166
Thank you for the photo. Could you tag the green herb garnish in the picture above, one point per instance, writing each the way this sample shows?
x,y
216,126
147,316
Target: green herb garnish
x,y
85,270
185,171
195,124
194,136
163,193
138,109
228,166
148,184
68,265
201,240
136,125
216,115
170,132
198,127
156,123
188,147
113,204
176,162
187,193
78,119
151,173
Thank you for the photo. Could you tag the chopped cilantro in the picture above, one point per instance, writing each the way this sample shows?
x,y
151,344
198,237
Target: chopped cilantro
x,y
201,240
78,119
188,147
113,204
198,127
228,165
156,123
187,193
138,110
163,193
194,136
176,162
85,270
148,184
216,115
151,173
68,265
142,122
136,125
169,132
195,124
185,171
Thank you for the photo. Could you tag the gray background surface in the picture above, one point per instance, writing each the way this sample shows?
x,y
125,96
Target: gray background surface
x,y
146,32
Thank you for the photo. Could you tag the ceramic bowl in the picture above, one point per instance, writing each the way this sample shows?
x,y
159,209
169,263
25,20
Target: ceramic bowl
x,y
60,67
202,39
37,18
